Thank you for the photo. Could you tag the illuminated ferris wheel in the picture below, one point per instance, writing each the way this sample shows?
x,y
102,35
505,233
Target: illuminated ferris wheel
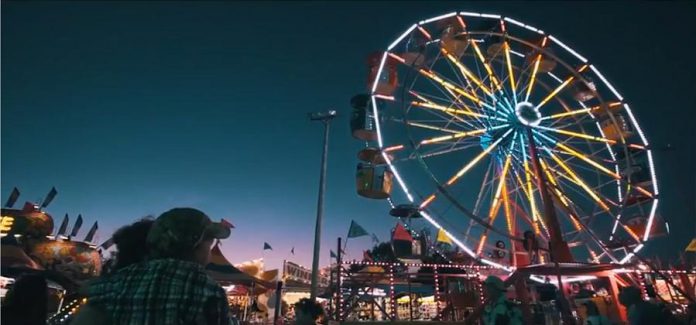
x,y
496,131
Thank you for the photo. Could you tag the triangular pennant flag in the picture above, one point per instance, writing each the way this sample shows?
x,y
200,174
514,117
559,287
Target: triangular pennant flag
x,y
356,230
442,237
13,198
692,246
226,223
267,246
76,227
63,226
333,255
108,243
375,239
49,197
400,233
92,231
292,251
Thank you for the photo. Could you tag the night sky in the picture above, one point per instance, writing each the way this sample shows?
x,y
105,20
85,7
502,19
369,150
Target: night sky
x,y
132,108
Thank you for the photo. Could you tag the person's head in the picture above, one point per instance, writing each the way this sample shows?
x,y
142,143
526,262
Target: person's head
x,y
591,308
307,312
493,287
30,293
629,296
131,242
184,233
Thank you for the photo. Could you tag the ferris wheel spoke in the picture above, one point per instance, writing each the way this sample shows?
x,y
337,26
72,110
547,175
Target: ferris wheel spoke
x,y
489,70
511,73
473,162
579,181
576,134
497,201
460,135
446,84
450,117
535,70
466,72
482,191
567,149
431,127
555,92
572,113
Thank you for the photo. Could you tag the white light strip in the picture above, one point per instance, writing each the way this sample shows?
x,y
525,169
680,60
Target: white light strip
x,y
517,53
490,16
408,31
555,77
510,20
616,225
375,113
437,18
537,279
533,29
635,124
379,72
626,258
599,74
652,172
384,154
472,14
650,220
639,247
555,40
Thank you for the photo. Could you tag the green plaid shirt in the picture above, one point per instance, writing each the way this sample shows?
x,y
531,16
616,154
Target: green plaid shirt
x,y
163,291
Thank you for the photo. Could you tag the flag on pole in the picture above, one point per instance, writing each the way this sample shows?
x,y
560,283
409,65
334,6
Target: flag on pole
x,y
375,239
108,243
63,226
333,255
442,237
292,251
226,223
356,230
692,246
92,231
49,197
76,227
13,198
400,233
267,246
367,257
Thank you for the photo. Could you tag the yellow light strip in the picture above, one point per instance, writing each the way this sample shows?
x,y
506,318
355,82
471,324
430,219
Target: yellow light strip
x,y
530,197
587,160
511,75
555,91
560,195
394,148
522,186
495,206
453,136
427,201
579,181
534,72
576,134
447,109
491,75
580,111
431,127
508,213
467,73
476,159
449,85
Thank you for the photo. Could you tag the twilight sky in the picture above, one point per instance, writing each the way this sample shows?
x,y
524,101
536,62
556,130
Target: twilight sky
x,y
132,108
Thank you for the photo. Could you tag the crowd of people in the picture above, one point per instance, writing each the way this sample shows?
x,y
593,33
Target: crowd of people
x,y
158,277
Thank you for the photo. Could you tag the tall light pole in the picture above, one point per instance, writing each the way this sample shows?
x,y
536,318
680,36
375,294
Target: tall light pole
x,y
324,117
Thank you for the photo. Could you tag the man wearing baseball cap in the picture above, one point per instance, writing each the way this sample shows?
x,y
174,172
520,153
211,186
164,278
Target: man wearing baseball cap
x,y
171,287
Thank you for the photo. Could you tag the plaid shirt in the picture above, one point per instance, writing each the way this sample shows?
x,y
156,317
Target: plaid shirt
x,y
163,291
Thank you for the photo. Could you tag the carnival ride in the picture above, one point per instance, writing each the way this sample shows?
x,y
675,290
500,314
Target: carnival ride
x,y
512,142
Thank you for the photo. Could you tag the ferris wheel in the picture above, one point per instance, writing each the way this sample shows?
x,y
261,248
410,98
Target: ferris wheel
x,y
507,139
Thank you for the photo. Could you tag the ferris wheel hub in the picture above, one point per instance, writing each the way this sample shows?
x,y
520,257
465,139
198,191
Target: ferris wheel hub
x,y
527,114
